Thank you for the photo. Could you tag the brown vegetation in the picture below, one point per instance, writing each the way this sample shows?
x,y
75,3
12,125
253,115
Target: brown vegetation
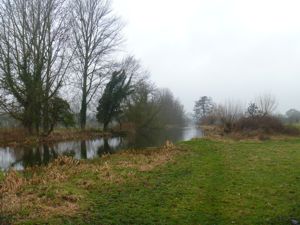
x,y
40,192
18,136
258,121
251,127
264,124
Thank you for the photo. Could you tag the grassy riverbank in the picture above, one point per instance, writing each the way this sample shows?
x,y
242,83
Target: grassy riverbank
x,y
199,182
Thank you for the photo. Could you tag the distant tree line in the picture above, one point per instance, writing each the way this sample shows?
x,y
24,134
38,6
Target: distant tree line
x,y
259,115
292,116
58,59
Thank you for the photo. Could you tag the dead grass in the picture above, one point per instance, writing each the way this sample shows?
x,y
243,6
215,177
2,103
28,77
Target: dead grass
x,y
147,160
74,134
19,137
23,196
12,135
41,192
217,133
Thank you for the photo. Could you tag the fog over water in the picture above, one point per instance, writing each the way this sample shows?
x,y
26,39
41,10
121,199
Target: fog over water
x,y
224,49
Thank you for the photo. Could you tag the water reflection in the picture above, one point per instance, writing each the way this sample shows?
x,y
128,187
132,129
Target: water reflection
x,y
22,157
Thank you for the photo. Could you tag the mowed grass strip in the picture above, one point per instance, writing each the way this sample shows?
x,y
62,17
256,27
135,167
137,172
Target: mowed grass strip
x,y
209,182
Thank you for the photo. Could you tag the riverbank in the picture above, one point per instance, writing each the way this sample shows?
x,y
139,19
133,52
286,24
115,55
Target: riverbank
x,y
217,133
202,181
18,137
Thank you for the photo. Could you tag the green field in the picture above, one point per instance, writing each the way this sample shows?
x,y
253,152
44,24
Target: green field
x,y
205,182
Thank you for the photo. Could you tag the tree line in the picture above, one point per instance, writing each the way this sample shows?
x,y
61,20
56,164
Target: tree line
x,y
259,115
56,53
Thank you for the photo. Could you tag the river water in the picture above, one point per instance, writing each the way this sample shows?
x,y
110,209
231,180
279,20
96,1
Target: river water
x,y
22,157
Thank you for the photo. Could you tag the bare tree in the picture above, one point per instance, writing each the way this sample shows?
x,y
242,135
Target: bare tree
x,y
228,114
33,58
266,104
96,34
133,67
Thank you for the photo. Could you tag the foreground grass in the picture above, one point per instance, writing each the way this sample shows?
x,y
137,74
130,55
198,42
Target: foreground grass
x,y
203,182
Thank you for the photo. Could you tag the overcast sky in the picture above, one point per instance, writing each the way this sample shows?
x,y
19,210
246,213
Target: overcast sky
x,y
229,50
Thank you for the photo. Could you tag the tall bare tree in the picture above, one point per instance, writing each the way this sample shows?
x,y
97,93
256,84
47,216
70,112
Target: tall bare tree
x,y
33,60
266,103
96,34
228,113
133,67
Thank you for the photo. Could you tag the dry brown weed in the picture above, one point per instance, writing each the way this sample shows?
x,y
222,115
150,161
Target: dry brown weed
x,y
19,193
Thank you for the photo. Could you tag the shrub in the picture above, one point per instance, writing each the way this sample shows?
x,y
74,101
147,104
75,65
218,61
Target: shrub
x,y
228,114
263,137
291,130
265,124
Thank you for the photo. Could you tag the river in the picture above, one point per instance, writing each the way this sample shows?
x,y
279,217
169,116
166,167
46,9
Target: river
x,y
21,157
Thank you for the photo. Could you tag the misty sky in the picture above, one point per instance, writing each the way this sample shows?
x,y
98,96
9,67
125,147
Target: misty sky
x,y
229,50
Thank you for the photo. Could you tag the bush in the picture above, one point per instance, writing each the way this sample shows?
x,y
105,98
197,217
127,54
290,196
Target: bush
x,y
209,120
290,130
265,124
263,137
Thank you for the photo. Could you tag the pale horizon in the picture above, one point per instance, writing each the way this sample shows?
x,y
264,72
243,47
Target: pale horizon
x,y
229,50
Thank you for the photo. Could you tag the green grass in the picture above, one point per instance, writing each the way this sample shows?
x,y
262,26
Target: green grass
x,y
213,182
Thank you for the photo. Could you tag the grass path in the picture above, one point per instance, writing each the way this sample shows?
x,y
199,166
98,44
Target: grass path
x,y
213,182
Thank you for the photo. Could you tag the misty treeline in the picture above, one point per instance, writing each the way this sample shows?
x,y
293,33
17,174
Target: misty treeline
x,y
258,115
60,62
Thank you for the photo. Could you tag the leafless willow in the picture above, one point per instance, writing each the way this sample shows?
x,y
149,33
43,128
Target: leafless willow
x,y
229,113
266,104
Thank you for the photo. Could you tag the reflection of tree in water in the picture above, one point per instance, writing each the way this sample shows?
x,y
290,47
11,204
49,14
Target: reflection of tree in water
x,y
47,155
83,150
154,137
42,155
105,148
32,156
38,155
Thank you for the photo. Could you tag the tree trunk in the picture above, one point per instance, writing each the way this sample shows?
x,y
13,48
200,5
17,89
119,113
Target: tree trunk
x,y
84,97
83,150
105,125
46,120
83,113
